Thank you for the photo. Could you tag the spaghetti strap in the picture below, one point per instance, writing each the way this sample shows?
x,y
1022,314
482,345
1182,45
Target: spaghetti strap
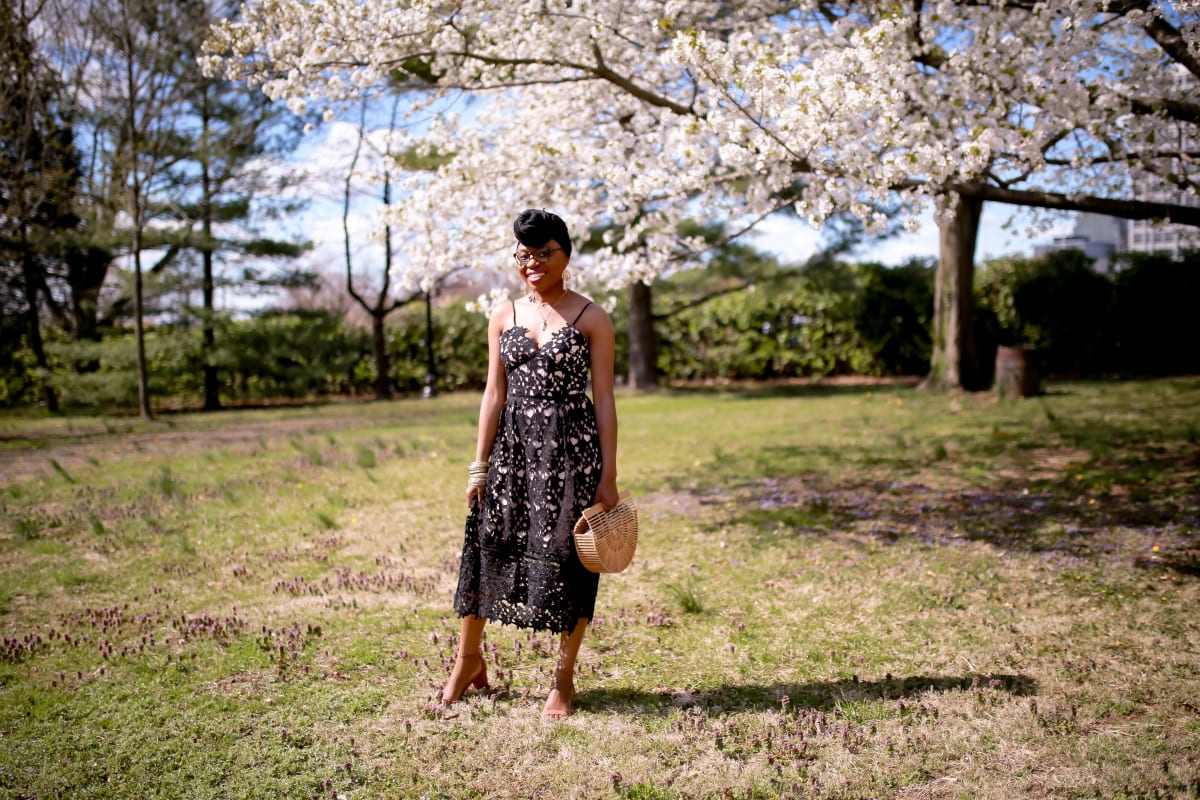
x,y
514,305
580,314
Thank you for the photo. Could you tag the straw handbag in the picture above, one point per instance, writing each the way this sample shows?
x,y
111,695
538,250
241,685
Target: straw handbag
x,y
605,540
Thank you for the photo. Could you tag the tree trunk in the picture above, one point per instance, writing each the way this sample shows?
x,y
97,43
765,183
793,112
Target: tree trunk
x,y
134,198
643,346
383,382
430,367
953,364
87,268
212,387
212,390
139,328
34,321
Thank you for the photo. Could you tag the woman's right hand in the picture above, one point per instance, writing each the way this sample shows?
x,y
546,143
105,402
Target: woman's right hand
x,y
474,497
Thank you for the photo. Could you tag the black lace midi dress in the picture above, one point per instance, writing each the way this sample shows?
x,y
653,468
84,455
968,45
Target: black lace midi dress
x,y
518,561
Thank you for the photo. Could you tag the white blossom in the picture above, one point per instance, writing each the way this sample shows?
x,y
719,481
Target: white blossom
x,y
639,114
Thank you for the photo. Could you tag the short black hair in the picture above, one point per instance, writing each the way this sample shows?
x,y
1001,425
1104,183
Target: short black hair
x,y
536,226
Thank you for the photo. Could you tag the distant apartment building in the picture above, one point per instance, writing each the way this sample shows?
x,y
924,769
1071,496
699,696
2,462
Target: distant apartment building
x,y
1171,239
1102,238
1099,237
1146,237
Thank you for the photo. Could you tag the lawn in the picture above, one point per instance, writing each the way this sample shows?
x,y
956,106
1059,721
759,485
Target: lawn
x,y
840,592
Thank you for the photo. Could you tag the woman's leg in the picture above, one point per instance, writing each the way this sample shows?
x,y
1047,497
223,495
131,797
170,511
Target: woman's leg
x,y
562,692
468,663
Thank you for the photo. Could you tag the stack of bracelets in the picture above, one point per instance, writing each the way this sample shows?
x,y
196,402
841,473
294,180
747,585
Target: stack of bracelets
x,y
477,473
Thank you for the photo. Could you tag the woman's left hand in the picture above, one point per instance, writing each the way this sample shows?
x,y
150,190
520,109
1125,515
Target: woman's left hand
x,y
607,494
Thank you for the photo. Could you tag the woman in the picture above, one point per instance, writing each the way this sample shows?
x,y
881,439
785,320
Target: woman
x,y
544,453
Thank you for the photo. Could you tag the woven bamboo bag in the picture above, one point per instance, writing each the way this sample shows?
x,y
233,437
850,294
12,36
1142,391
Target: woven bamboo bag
x,y
605,540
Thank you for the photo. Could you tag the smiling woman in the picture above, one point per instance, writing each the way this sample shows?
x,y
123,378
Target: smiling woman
x,y
544,453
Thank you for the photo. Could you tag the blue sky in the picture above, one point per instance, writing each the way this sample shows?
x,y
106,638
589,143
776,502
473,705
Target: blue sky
x,y
792,240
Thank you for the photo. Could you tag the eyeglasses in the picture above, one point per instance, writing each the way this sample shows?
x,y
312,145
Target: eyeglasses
x,y
541,256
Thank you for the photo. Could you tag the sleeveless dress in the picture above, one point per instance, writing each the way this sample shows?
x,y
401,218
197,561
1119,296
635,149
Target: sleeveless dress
x,y
518,562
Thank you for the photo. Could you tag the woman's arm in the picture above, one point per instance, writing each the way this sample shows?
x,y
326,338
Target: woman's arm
x,y
493,399
599,330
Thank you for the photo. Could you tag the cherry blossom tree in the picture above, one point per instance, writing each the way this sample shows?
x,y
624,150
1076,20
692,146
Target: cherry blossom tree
x,y
634,116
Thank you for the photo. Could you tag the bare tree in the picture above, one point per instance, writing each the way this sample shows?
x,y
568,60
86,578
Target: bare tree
x,y
383,303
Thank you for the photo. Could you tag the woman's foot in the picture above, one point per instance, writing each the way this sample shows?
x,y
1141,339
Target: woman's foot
x,y
469,670
560,702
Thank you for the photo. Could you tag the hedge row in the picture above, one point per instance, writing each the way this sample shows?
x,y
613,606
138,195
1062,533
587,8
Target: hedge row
x,y
278,355
867,320
848,319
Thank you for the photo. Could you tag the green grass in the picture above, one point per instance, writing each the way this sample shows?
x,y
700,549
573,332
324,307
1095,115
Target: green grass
x,y
840,592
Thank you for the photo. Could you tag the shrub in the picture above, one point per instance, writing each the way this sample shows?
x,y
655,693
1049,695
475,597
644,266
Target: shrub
x,y
293,354
842,319
18,370
1054,303
273,355
755,334
460,348
892,309
1155,320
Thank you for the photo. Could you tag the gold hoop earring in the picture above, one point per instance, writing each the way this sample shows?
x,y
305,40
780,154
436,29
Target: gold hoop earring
x,y
566,276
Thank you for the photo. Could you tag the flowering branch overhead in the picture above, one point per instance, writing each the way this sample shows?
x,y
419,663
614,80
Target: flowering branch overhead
x,y
641,114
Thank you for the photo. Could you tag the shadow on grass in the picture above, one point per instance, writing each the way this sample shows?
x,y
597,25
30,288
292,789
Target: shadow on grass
x,y
818,695
1093,480
1047,520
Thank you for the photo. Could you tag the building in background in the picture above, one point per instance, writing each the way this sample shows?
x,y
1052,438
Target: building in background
x,y
1099,237
1171,239
1148,237
1102,238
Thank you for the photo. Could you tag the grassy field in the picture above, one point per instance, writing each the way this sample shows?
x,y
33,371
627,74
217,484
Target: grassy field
x,y
840,592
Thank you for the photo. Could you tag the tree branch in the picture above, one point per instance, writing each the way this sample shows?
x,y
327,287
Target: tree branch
x,y
1164,34
362,123
165,261
602,70
599,70
1179,110
1125,209
401,302
740,286
1187,154
1169,39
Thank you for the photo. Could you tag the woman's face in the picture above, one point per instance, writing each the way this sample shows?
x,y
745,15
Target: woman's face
x,y
541,267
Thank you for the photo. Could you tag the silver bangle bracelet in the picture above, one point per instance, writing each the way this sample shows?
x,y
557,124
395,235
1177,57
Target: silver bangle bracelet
x,y
477,473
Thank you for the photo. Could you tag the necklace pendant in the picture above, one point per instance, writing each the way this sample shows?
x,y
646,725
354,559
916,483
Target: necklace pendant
x,y
544,324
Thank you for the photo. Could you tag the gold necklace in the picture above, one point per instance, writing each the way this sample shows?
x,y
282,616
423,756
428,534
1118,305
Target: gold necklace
x,y
541,305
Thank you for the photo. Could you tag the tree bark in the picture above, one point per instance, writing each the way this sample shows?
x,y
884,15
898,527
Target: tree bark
x,y
383,381
134,199
139,327
212,389
35,326
430,365
954,364
212,386
1112,207
643,345
87,268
